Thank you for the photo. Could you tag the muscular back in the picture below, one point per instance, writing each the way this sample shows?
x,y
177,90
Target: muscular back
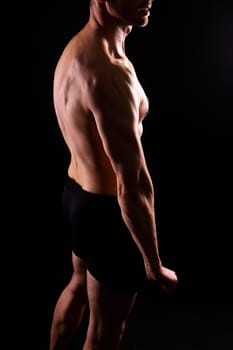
x,y
99,105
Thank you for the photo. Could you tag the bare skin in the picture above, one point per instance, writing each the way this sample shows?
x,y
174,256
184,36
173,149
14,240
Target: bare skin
x,y
100,106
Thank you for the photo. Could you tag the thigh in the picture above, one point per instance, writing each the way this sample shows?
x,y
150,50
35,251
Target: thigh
x,y
108,309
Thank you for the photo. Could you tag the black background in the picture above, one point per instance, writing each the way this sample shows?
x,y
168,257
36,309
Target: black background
x,y
184,60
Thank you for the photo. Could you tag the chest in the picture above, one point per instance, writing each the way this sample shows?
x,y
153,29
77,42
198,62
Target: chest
x,y
142,99
143,104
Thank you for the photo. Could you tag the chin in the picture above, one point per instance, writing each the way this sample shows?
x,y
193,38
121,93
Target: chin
x,y
142,23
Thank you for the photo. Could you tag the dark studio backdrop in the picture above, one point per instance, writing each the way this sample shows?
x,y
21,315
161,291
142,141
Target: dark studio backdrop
x,y
184,60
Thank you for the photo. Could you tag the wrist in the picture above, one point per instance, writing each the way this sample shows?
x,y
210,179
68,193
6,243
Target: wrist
x,y
153,265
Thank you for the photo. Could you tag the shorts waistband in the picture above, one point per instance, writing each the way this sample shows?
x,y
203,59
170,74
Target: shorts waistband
x,y
75,186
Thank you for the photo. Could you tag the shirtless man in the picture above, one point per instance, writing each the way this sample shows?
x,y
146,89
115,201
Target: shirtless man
x,y
108,197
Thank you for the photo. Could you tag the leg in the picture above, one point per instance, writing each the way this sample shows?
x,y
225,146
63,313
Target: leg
x,y
69,308
109,311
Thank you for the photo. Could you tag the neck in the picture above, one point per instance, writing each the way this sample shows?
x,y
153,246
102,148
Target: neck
x,y
110,28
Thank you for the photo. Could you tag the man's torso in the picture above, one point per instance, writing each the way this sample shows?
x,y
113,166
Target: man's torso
x,y
79,65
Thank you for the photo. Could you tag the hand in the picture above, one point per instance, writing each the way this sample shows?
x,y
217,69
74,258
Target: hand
x,y
164,277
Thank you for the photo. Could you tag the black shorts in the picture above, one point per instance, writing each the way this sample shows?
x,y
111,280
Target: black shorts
x,y
100,236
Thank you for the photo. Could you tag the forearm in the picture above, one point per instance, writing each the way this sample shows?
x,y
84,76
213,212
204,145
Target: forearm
x,y
139,216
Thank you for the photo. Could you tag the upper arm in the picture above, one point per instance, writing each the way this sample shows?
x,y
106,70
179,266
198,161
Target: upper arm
x,y
114,103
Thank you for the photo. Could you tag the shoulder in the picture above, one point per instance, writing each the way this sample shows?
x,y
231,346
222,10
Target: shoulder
x,y
106,75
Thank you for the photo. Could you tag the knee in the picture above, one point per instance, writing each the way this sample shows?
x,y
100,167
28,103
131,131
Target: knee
x,y
78,288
